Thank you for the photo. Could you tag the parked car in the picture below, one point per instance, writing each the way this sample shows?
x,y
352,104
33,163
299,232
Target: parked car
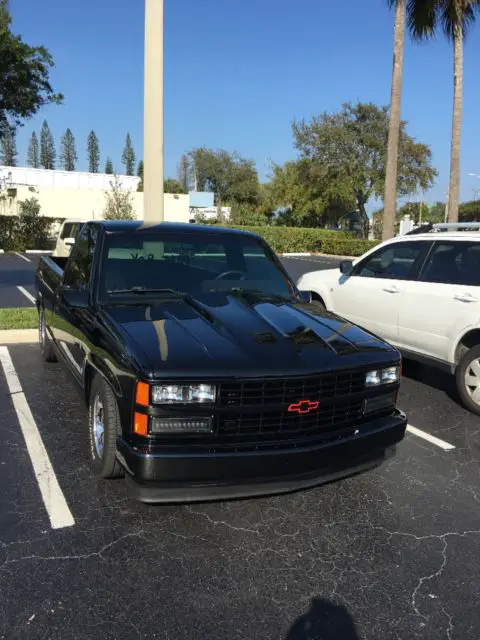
x,y
421,293
207,374
66,237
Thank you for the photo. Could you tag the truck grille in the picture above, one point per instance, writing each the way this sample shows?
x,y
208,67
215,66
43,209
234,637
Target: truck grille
x,y
282,391
284,424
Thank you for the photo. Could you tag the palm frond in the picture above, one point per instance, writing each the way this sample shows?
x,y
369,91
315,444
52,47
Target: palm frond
x,y
422,18
457,14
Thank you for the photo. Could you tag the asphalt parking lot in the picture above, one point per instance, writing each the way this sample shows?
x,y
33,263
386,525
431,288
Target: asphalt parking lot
x,y
17,273
391,554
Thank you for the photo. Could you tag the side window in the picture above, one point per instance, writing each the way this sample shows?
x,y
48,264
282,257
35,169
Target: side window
x,y
79,267
453,263
397,261
71,230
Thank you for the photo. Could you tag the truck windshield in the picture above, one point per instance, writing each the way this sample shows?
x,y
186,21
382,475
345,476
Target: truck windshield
x,y
194,263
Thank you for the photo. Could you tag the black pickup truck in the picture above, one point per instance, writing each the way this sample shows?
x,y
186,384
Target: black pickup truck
x,y
207,374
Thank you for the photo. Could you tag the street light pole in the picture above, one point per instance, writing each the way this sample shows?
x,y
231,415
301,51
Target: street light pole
x,y
153,113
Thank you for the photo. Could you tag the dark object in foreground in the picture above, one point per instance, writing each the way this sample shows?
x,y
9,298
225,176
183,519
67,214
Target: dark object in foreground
x,y
206,372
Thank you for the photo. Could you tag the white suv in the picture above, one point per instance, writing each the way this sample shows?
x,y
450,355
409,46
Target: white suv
x,y
421,292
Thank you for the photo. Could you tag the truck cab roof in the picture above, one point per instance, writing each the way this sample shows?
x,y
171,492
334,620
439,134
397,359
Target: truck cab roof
x,y
118,226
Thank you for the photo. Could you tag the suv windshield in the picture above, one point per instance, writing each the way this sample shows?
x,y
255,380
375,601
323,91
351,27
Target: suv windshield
x,y
193,263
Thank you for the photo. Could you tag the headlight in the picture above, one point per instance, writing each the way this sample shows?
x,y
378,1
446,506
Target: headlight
x,y
183,393
382,376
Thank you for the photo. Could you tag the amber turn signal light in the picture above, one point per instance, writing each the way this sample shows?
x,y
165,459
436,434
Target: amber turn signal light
x,y
142,394
140,424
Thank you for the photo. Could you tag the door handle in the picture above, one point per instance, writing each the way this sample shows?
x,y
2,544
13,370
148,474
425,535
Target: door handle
x,y
391,289
465,297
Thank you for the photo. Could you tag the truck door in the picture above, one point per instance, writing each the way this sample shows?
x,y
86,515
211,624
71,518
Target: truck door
x,y
70,326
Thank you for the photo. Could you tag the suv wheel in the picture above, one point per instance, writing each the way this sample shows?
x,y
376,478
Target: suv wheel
x,y
468,379
104,425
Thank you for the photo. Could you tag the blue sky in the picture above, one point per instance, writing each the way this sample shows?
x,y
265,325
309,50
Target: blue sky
x,y
237,72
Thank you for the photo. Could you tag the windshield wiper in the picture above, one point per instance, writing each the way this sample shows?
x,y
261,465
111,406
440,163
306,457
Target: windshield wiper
x,y
142,290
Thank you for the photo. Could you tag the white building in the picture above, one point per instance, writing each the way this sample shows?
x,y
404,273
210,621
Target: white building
x,y
75,194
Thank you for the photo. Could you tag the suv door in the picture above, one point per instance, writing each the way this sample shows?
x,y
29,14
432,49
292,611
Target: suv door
x,y
445,300
372,294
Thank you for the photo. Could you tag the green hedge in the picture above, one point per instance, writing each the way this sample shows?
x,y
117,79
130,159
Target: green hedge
x,y
295,239
18,233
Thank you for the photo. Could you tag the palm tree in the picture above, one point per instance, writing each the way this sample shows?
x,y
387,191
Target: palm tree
x,y
454,17
390,197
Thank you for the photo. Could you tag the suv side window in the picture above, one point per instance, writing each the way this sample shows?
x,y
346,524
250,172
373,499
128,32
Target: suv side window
x,y
79,267
453,262
397,261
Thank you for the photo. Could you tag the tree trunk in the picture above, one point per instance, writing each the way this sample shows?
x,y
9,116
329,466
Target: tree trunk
x,y
365,219
454,189
390,197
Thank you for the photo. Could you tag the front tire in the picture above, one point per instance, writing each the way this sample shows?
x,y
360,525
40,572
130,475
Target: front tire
x,y
468,379
104,426
46,346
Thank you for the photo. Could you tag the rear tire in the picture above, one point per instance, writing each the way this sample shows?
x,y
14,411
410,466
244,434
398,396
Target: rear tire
x,y
467,378
104,426
46,346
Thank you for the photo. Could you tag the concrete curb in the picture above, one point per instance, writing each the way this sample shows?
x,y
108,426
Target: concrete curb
x,y
38,251
18,336
2,251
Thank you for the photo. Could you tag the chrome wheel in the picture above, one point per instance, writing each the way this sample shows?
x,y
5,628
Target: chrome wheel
x,y
98,426
41,328
472,380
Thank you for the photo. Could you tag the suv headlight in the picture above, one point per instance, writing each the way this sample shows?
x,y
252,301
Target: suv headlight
x,y
382,376
183,393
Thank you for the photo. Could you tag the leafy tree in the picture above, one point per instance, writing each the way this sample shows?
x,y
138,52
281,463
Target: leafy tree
x,y
109,166
172,186
454,17
184,172
128,156
118,202
345,152
469,211
140,175
246,214
390,194
30,207
24,75
8,147
230,177
93,150
33,154
47,147
68,154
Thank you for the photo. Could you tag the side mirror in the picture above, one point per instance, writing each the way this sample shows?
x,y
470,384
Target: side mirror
x,y
74,298
306,296
346,267
69,241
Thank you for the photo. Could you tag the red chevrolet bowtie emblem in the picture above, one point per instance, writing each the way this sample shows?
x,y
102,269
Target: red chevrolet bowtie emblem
x,y
304,406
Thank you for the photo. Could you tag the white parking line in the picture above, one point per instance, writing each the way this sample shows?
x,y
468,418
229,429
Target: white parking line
x,y
22,257
57,508
27,294
427,436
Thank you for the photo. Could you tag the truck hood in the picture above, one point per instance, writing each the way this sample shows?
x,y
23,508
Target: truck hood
x,y
230,336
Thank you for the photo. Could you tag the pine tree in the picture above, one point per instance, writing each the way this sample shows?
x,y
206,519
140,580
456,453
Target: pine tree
x,y
33,158
128,156
109,167
140,175
8,147
47,147
68,154
184,172
93,152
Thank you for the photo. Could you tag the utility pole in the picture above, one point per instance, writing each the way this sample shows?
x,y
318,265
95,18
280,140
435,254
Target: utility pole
x,y
153,113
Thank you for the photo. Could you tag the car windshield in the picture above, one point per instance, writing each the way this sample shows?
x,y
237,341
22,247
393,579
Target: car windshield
x,y
198,264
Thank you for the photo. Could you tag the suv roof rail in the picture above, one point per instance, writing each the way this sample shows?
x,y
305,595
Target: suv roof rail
x,y
456,226
424,228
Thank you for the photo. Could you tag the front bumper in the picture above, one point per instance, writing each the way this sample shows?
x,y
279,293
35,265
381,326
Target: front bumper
x,y
164,477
